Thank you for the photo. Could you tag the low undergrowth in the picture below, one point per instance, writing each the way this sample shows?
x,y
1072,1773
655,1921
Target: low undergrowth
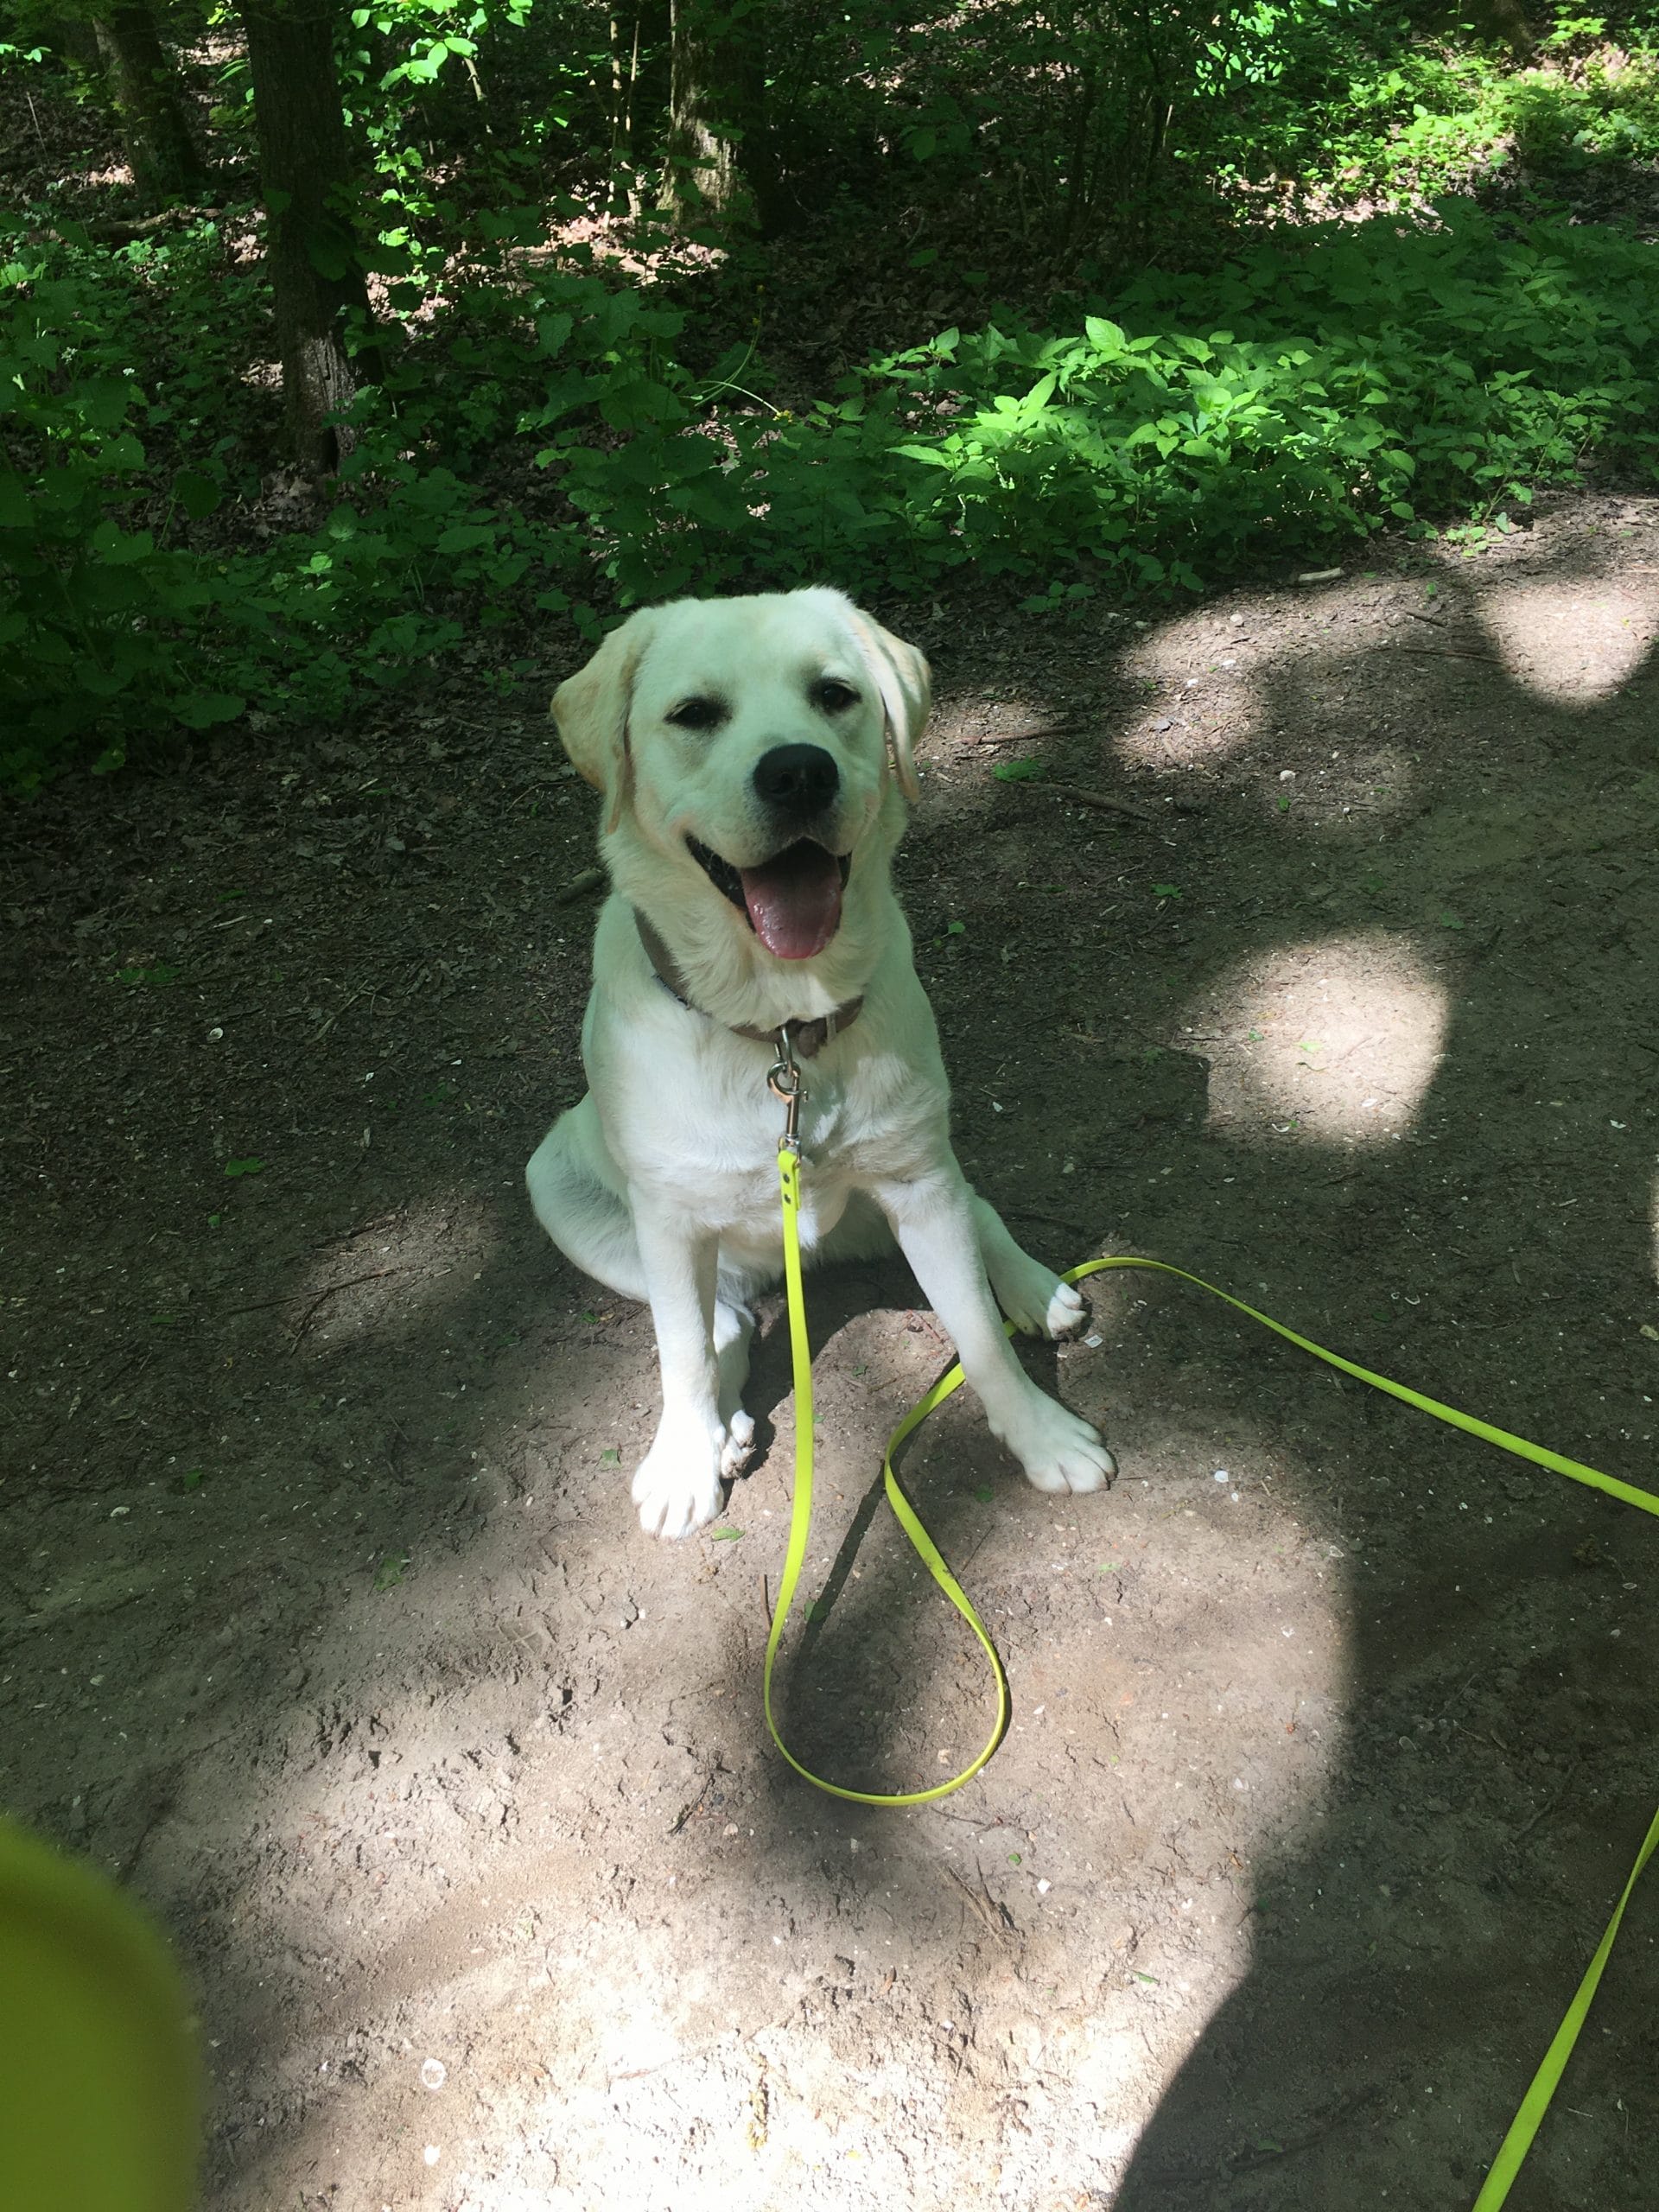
x,y
541,445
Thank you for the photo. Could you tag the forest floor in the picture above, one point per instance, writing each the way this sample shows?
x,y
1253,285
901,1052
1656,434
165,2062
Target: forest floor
x,y
328,1628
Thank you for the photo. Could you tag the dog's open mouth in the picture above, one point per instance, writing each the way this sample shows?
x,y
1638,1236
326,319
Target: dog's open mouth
x,y
793,901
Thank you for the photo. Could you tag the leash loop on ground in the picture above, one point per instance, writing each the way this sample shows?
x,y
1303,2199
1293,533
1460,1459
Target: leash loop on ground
x,y
800,1521
1524,2127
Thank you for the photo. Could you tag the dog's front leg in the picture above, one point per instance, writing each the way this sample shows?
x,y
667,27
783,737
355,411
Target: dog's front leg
x,y
933,1220
676,1484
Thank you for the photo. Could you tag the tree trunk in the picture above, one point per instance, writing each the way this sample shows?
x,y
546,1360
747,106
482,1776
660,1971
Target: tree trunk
x,y
720,159
305,170
163,154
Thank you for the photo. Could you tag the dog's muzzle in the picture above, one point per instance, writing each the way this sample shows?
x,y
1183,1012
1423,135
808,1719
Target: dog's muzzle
x,y
791,902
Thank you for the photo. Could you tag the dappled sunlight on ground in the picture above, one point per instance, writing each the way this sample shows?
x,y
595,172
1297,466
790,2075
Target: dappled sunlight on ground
x,y
1337,1040
335,1636
394,1270
1572,644
1225,687
562,1922
1203,676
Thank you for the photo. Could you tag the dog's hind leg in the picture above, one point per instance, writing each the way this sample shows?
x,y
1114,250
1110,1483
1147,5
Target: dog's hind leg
x,y
734,1326
1033,1296
591,1224
587,1218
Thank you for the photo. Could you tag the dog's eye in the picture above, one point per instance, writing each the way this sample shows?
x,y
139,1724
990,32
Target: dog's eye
x,y
835,697
696,714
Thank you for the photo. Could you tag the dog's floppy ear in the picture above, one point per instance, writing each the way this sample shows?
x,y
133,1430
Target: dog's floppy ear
x,y
590,711
906,682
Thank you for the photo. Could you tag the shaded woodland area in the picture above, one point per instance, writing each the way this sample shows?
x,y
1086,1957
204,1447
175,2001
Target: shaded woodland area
x,y
342,342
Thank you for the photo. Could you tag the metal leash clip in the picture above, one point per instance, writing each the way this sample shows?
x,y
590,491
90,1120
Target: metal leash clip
x,y
784,1082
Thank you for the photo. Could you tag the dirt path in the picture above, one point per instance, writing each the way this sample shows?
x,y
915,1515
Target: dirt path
x,y
327,1624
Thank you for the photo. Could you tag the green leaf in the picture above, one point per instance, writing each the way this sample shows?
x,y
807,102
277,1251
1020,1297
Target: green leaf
x,y
1167,891
1019,772
202,709
197,494
727,1536
113,543
390,1572
244,1167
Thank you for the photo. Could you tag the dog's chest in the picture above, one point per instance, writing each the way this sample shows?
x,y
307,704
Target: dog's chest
x,y
850,1139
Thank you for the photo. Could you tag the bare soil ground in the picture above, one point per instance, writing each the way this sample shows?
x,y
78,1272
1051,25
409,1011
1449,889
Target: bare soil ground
x,y
328,1629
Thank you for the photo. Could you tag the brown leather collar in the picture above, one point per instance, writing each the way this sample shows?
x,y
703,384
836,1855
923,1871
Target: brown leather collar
x,y
805,1038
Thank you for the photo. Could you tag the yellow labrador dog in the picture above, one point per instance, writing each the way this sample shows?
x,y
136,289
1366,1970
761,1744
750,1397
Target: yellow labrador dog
x,y
756,756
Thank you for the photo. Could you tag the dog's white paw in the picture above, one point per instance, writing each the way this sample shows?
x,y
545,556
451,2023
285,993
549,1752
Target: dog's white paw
x,y
1058,1450
1038,1304
676,1484
1066,1310
740,1442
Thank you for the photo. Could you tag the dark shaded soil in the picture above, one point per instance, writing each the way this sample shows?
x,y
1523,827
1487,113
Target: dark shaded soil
x,y
327,1625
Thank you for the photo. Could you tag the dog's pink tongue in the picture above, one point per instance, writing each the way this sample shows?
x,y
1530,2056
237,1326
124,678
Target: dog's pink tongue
x,y
794,901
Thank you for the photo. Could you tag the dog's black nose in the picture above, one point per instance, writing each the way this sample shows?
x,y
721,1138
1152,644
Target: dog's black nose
x,y
796,780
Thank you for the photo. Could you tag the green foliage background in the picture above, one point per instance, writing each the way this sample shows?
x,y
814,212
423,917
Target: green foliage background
x,y
1388,321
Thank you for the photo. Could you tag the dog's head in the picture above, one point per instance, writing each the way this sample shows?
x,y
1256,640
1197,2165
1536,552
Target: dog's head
x,y
755,755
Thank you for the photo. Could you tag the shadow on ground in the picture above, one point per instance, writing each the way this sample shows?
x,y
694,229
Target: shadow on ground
x,y
327,1625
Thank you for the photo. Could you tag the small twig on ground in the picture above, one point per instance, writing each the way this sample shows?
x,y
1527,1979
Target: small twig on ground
x,y
1541,1812
1024,736
1443,653
1099,800
318,1035
686,1811
1434,619
579,886
992,1915
1048,1220
350,1283
294,1297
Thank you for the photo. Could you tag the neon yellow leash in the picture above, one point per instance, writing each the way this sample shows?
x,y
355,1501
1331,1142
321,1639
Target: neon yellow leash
x,y
785,1082
800,1522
